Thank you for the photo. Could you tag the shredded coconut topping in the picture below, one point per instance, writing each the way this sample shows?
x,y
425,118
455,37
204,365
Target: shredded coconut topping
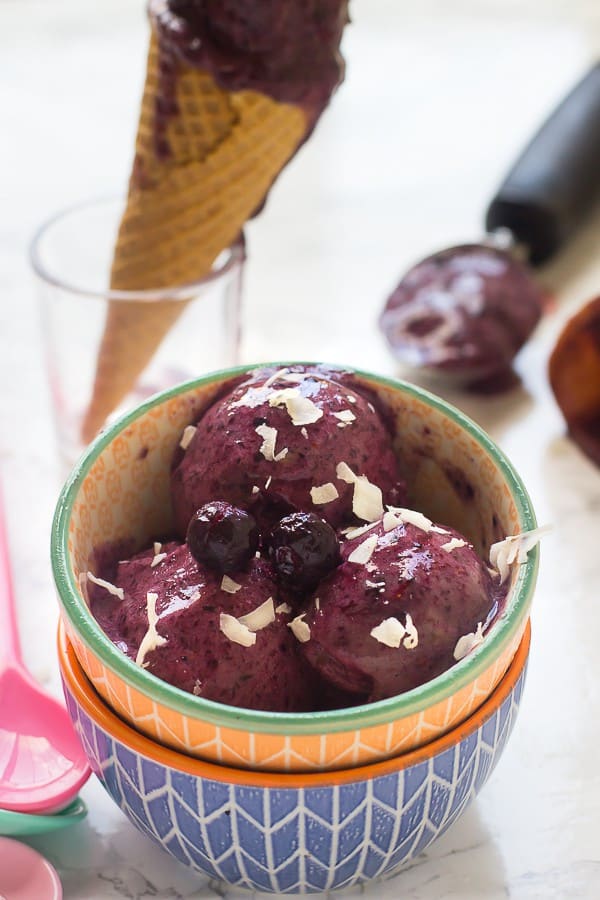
x,y
351,398
255,489
267,448
197,689
468,642
186,438
236,631
254,396
304,433
324,493
352,532
260,617
513,549
363,553
391,520
283,608
412,517
300,629
393,633
454,544
302,410
367,499
229,585
115,591
345,416
152,639
269,480
158,558
345,473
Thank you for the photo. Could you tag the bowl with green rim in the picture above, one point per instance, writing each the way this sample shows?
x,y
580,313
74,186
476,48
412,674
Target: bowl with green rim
x,y
119,491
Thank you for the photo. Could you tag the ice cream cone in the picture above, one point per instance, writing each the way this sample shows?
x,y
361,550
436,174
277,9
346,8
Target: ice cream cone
x,y
205,160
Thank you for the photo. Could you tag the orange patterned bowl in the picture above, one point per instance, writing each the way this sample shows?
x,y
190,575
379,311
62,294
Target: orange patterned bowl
x,y
120,490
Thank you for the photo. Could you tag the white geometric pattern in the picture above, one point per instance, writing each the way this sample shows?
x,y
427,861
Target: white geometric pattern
x,y
293,840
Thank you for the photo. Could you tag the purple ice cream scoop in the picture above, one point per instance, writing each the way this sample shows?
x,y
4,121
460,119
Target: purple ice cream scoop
x,y
406,603
289,440
464,311
218,637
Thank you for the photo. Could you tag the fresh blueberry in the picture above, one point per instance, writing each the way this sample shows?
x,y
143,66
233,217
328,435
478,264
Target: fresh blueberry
x,y
222,537
303,549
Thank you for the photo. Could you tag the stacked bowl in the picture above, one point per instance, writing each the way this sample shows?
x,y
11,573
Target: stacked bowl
x,y
290,802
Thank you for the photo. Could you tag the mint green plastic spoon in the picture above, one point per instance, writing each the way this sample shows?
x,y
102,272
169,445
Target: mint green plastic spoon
x,y
14,824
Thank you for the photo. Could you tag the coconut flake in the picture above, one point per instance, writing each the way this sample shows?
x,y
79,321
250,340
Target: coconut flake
x,y
324,493
352,532
115,591
363,553
413,517
197,689
304,433
236,631
300,629
317,603
301,410
367,499
351,398
389,632
393,633
391,520
412,635
267,448
158,558
229,585
454,544
255,489
260,617
254,396
345,416
468,642
514,548
283,608
345,473
152,639
186,438
268,482
276,376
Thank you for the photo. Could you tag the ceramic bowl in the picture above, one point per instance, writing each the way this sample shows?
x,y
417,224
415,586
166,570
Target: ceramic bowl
x,y
120,490
293,833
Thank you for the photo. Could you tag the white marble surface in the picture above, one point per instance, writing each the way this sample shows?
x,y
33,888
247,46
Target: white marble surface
x,y
439,96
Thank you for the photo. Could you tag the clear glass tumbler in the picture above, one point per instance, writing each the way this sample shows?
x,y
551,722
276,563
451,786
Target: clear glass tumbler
x,y
183,331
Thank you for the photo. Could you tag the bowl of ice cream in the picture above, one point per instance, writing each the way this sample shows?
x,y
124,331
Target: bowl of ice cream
x,y
292,832
294,567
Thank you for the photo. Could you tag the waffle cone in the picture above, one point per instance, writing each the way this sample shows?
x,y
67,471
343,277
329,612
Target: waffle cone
x,y
226,149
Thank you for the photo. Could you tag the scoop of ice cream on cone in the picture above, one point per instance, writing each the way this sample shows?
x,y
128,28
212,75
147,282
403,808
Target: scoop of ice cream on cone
x,y
231,92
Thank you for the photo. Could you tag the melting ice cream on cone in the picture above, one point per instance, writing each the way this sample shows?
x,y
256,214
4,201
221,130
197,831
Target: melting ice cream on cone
x,y
232,90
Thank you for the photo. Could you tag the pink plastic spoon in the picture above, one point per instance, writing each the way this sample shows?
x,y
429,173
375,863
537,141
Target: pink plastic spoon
x,y
25,874
42,763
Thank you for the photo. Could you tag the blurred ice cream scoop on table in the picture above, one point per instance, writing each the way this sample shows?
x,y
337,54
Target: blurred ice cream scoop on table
x,y
232,90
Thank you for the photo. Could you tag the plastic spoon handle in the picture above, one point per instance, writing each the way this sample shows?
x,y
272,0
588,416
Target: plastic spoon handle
x,y
10,650
556,180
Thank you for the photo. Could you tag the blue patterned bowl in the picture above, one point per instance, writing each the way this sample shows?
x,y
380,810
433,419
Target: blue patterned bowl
x,y
292,833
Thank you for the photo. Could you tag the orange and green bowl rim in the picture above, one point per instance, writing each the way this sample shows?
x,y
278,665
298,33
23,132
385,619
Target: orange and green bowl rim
x,y
438,689
103,716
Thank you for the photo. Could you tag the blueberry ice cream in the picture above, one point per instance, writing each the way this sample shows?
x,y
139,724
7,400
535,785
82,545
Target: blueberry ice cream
x,y
287,441
400,608
299,580
219,637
